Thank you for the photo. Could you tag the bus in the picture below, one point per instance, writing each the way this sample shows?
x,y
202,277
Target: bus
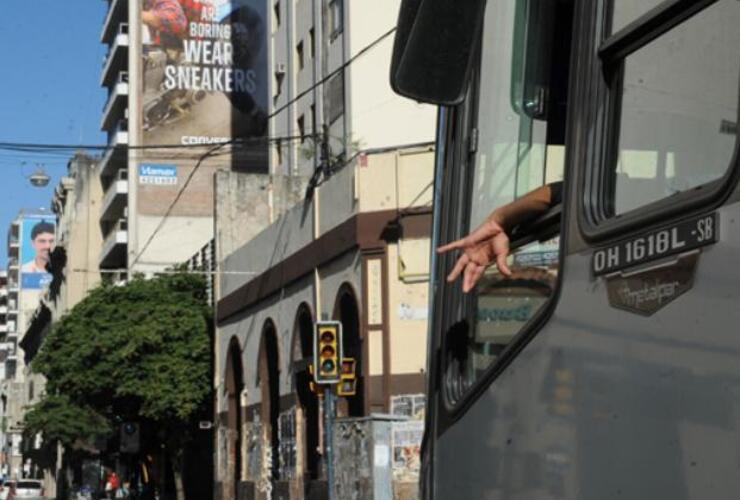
x,y
608,364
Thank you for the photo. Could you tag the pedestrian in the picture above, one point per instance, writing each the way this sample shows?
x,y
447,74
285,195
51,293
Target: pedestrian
x,y
112,485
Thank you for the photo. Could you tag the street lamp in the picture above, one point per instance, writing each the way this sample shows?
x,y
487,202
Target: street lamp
x,y
39,178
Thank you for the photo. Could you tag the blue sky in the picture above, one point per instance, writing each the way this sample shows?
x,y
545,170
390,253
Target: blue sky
x,y
50,92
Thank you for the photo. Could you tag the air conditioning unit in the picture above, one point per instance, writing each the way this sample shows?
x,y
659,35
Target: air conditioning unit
x,y
280,68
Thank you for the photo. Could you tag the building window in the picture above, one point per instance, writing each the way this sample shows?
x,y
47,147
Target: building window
x,y
312,39
313,119
279,151
302,128
335,18
276,16
334,98
299,55
279,78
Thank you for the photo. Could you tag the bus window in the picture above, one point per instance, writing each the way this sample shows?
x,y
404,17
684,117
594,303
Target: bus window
x,y
678,108
520,146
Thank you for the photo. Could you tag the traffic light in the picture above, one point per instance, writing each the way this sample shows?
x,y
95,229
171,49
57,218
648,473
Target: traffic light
x,y
327,352
348,378
130,437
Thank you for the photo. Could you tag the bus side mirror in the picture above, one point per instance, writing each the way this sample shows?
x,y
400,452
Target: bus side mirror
x,y
433,49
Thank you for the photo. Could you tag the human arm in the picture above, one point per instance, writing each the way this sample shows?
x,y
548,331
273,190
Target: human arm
x,y
489,242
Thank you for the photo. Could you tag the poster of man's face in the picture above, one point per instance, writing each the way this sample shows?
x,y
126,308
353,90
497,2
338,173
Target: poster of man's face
x,y
38,236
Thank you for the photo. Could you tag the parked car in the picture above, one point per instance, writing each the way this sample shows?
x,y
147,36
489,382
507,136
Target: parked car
x,y
7,490
28,489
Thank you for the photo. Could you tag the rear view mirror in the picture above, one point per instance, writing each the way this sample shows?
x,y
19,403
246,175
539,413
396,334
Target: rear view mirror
x,y
433,49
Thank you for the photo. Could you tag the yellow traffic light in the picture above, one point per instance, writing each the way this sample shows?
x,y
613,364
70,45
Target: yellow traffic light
x,y
327,352
348,383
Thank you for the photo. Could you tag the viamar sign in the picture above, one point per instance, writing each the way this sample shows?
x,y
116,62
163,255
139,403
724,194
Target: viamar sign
x,y
162,175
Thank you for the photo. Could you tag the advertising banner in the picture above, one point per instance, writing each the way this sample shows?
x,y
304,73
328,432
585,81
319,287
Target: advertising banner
x,y
205,73
37,242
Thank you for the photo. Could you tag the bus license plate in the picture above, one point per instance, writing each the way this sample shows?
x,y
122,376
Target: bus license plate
x,y
681,237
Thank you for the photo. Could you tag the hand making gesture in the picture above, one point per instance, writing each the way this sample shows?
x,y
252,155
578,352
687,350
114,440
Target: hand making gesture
x,y
489,242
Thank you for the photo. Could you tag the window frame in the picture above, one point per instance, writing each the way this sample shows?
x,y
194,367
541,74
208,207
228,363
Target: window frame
x,y
596,223
455,306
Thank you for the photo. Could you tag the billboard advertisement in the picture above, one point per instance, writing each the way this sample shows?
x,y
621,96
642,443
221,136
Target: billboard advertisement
x,y
38,234
205,73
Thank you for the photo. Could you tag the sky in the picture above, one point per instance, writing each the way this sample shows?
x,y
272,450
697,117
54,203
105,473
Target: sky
x,y
50,92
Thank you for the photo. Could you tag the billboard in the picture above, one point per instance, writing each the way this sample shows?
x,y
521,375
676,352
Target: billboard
x,y
38,235
205,73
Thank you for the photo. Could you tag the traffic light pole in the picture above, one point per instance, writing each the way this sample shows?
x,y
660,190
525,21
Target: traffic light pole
x,y
329,414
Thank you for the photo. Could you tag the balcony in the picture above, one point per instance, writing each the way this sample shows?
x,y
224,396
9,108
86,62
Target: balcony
x,y
114,159
13,263
119,135
115,107
117,58
117,13
115,199
113,253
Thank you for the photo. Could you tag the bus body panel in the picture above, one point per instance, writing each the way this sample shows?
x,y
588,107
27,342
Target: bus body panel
x,y
605,403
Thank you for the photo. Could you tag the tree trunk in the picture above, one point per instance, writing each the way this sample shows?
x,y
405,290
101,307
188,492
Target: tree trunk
x,y
179,487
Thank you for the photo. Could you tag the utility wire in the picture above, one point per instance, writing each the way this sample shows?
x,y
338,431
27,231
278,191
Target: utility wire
x,y
164,271
211,151
53,148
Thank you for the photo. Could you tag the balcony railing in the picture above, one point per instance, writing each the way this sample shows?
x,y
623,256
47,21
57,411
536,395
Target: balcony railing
x,y
114,201
117,53
116,100
113,253
119,135
116,12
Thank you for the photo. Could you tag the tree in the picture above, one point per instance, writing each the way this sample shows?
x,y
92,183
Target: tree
x,y
139,351
62,421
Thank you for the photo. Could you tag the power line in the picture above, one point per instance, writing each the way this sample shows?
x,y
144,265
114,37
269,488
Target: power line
x,y
211,151
53,148
164,271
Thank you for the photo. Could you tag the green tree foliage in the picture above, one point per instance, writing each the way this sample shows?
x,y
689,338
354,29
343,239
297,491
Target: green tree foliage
x,y
139,351
60,420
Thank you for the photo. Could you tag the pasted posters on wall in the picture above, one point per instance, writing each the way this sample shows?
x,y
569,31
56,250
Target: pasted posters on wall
x,y
37,242
205,72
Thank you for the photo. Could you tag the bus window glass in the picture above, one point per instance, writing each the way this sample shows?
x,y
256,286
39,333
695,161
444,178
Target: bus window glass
x,y
516,154
626,11
679,109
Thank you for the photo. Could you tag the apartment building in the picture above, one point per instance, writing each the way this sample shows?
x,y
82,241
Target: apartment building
x,y
356,250
73,271
30,240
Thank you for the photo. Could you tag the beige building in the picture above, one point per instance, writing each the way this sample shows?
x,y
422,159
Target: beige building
x,y
355,250
76,208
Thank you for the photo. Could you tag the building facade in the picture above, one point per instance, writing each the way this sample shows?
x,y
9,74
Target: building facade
x,y
73,271
355,250
30,240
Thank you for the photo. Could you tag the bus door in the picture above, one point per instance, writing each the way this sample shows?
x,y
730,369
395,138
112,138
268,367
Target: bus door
x,y
607,365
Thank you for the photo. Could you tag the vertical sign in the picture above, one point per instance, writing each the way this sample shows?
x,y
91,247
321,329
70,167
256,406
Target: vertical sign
x,y
374,292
